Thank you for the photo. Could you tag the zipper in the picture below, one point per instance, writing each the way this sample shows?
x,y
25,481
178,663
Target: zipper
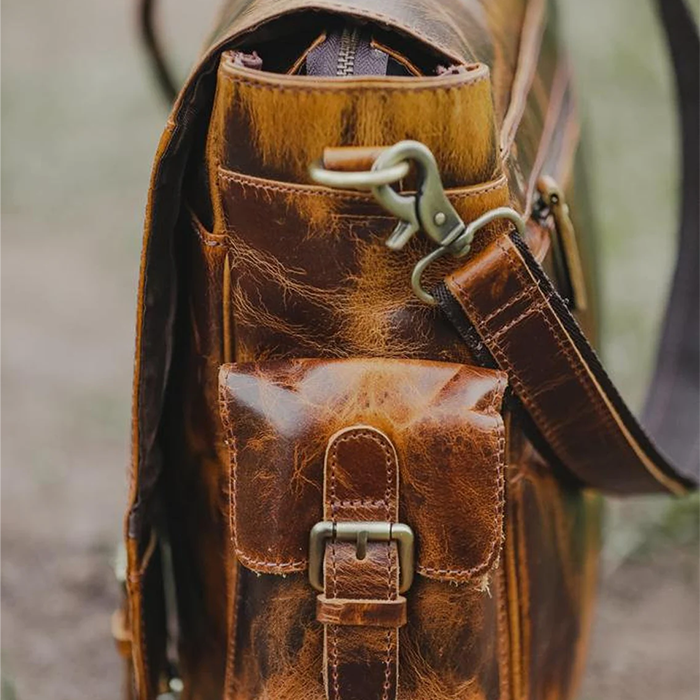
x,y
349,41
552,211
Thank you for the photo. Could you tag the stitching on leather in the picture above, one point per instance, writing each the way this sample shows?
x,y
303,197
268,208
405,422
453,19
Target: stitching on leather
x,y
334,570
359,502
357,89
359,217
390,466
539,307
501,475
391,572
506,305
232,490
310,190
387,669
334,496
232,443
497,351
514,322
293,565
356,435
580,373
496,541
229,672
499,184
457,574
335,663
334,582
500,355
299,189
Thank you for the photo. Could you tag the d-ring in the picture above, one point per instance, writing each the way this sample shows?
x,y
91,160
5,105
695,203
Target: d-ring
x,y
462,243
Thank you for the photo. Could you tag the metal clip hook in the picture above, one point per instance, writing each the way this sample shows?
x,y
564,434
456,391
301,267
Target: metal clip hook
x,y
428,209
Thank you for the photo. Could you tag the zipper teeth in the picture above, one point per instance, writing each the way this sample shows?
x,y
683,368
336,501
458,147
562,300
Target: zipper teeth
x,y
346,52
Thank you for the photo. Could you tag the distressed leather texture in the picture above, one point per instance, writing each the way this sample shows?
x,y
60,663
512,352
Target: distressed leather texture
x,y
443,420
247,262
369,440
360,111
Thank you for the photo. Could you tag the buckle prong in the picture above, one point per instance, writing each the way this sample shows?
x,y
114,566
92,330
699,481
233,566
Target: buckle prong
x,y
361,547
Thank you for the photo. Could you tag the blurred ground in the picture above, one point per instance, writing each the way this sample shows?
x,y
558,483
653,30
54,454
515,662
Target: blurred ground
x,y
80,125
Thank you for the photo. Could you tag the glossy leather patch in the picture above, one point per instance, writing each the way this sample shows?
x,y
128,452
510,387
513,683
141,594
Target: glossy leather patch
x,y
443,419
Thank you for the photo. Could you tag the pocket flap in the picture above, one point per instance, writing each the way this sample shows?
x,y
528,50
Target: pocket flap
x,y
443,419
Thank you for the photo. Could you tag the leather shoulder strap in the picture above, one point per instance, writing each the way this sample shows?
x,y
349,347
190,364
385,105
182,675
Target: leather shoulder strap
x,y
528,331
162,70
508,312
672,406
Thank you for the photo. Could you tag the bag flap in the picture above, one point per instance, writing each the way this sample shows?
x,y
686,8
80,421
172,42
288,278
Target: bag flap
x,y
443,419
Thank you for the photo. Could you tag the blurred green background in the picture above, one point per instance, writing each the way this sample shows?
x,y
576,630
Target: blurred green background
x,y
81,120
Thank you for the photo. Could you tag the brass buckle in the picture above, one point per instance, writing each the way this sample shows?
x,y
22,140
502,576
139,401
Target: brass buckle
x,y
361,533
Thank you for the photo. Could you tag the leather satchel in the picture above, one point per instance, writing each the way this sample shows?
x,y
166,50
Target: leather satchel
x,y
370,430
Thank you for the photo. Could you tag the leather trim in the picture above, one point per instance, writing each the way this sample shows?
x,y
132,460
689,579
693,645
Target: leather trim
x,y
365,613
361,482
530,43
451,113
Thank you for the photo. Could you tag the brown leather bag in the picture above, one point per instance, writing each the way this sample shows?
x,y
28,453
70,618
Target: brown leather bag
x,y
367,455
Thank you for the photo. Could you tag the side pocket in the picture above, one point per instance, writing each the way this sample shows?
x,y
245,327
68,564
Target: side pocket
x,y
443,423
313,277
194,455
212,279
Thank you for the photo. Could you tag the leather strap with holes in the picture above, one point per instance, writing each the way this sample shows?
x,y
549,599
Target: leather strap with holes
x,y
361,608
